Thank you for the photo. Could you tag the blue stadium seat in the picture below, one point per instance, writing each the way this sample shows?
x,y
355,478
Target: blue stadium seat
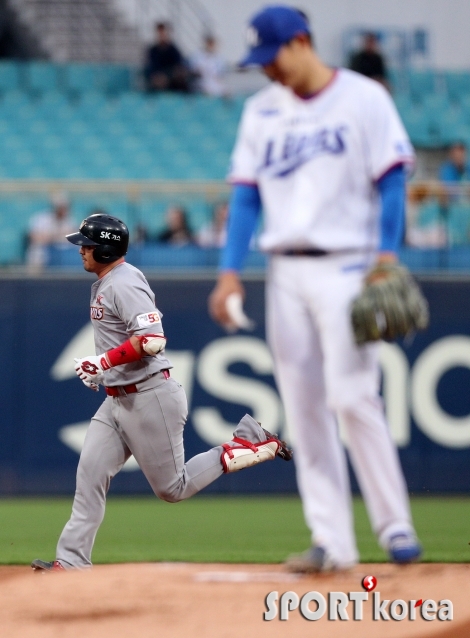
x,y
11,242
459,224
421,83
396,79
423,259
64,256
80,78
10,76
418,126
168,257
436,104
429,214
457,84
447,124
465,106
113,78
12,101
459,258
42,76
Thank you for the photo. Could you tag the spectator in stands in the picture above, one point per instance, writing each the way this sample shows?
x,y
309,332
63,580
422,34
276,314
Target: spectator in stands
x,y
178,231
369,61
456,168
209,69
433,233
141,235
165,68
48,228
214,234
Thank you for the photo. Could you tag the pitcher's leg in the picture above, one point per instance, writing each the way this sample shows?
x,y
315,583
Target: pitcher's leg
x,y
103,455
319,456
352,381
377,468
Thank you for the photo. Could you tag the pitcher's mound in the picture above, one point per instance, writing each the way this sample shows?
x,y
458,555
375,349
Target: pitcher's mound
x,y
177,600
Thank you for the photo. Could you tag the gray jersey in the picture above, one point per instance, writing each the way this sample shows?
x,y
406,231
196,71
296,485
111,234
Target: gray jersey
x,y
122,304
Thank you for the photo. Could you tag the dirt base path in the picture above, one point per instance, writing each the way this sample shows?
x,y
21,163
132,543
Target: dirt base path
x,y
177,600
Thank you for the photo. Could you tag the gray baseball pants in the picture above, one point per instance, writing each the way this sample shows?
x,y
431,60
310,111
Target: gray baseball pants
x,y
148,424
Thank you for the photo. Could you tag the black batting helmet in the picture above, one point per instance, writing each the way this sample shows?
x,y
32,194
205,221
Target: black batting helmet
x,y
109,234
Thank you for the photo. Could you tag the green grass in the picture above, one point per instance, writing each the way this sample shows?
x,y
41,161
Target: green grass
x,y
216,529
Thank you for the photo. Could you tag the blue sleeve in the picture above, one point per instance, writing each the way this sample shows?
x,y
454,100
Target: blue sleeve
x,y
392,189
244,211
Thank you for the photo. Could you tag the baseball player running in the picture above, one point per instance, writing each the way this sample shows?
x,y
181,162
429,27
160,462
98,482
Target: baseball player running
x,y
145,410
322,151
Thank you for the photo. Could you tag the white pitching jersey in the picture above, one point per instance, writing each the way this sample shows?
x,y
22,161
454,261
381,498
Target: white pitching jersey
x,y
316,161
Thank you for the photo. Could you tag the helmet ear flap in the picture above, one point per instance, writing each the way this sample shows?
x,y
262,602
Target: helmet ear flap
x,y
106,254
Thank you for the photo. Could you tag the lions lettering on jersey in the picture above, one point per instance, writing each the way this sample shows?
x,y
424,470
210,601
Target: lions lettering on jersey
x,y
96,313
285,156
317,161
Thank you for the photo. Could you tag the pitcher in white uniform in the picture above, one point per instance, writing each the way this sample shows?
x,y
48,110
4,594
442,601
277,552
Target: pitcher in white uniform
x,y
323,153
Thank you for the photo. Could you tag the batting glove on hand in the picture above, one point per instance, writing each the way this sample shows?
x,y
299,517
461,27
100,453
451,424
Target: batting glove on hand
x,y
91,369
92,386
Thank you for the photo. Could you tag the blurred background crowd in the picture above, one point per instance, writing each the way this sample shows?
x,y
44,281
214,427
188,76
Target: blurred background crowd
x,y
136,115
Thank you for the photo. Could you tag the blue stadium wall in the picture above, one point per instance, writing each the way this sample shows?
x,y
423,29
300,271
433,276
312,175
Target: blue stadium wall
x,y
45,408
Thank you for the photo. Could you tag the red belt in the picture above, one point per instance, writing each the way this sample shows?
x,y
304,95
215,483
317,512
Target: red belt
x,y
122,390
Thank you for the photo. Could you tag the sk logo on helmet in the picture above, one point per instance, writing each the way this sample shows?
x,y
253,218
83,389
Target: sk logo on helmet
x,y
91,368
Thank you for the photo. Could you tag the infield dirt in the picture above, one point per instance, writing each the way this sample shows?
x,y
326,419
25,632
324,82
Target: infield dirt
x,y
177,600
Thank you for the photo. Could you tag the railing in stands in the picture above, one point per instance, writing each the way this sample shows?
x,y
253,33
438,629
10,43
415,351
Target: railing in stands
x,y
437,233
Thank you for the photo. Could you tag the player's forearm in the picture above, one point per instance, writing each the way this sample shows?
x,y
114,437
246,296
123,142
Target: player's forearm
x,y
135,348
244,211
91,369
392,188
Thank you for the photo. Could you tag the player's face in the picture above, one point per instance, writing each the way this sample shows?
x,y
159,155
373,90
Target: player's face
x,y
288,67
89,263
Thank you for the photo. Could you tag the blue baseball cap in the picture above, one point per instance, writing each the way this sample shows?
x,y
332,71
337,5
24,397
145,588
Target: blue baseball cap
x,y
269,30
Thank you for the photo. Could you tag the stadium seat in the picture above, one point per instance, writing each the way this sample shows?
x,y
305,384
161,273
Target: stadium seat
x,y
436,104
396,79
423,259
465,106
12,101
80,78
10,76
459,224
113,78
168,257
42,76
452,126
421,84
457,85
429,214
418,126
458,258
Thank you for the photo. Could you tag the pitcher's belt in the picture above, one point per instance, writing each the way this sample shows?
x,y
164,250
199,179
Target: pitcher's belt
x,y
304,252
314,252
123,390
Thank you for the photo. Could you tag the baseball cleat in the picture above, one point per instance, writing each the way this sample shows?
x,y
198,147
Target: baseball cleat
x,y
42,566
404,548
313,561
284,452
246,454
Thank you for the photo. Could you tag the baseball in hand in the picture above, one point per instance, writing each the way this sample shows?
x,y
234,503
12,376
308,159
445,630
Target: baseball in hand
x,y
234,306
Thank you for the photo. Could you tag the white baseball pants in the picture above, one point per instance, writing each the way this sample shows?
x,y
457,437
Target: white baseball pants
x,y
322,375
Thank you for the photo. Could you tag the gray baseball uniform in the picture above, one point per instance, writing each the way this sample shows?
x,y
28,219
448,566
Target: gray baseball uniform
x,y
148,423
